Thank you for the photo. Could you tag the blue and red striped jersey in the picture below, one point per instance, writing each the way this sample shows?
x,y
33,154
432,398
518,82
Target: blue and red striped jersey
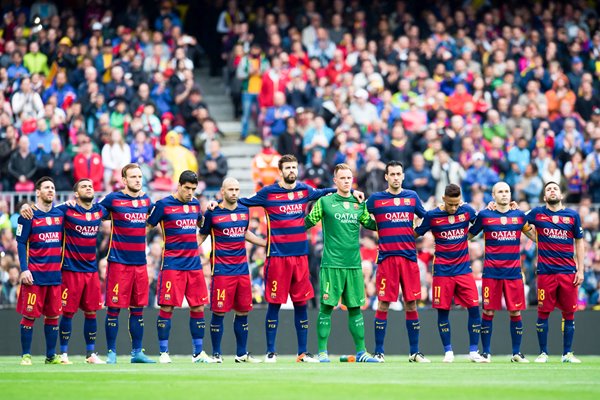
x,y
81,235
128,235
556,232
42,240
179,223
227,229
502,236
450,232
285,210
395,215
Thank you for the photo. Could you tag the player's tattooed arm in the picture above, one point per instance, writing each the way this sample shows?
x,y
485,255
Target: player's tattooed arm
x,y
579,261
530,233
201,238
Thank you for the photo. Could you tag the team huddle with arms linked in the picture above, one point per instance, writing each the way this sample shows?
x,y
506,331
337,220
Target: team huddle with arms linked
x,y
59,267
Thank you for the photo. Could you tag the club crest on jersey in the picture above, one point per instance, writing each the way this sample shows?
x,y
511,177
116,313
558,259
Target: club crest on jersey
x,y
300,195
234,217
291,195
194,209
503,220
346,205
167,296
451,219
555,219
186,209
143,202
355,206
461,218
567,220
515,220
325,296
134,203
96,214
29,308
243,216
407,202
396,201
48,220
219,304
273,295
115,299
88,216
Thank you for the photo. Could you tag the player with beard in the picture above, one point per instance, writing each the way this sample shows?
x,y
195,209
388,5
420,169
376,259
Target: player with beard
x,y
39,243
502,276
286,266
559,268
126,275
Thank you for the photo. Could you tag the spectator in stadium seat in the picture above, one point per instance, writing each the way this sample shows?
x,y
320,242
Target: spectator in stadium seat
x,y
479,177
117,89
277,115
274,80
58,166
22,166
8,146
493,126
299,93
317,137
87,163
64,92
445,171
35,61
401,147
363,112
317,174
115,155
40,140
181,158
161,94
520,121
250,70
25,102
290,141
419,178
370,173
214,167
265,165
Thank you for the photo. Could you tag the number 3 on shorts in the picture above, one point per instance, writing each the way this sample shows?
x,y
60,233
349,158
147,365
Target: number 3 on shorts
x,y
274,286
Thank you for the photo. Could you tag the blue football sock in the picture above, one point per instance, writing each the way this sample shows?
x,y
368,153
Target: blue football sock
x,y
271,322
380,328
568,333
216,332
90,328
487,325
65,326
474,328
542,334
413,326
240,328
516,333
136,328
26,335
112,328
51,334
444,329
163,326
197,326
301,322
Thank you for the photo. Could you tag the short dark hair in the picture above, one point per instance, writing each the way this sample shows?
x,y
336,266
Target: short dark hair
x,y
393,163
552,183
452,190
286,158
128,167
76,185
188,177
39,182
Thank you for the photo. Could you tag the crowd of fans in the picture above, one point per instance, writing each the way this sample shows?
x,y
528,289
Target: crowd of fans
x,y
459,92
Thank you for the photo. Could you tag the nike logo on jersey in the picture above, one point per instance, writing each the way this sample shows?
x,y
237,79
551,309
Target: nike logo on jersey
x,y
280,196
334,205
204,298
518,304
173,209
123,203
439,221
383,203
39,221
222,218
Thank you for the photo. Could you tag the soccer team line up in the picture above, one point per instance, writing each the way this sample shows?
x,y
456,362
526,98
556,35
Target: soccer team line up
x,y
59,269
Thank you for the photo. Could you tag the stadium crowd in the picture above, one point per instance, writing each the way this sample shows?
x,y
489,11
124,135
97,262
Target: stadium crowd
x,y
464,93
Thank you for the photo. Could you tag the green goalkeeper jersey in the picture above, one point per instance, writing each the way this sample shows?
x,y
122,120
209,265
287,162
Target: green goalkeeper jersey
x,y
342,217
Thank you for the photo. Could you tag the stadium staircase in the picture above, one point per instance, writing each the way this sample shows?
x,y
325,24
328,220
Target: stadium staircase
x,y
239,154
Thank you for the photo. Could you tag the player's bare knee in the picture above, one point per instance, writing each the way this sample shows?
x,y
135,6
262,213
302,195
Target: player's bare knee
x,y
195,309
408,306
168,309
516,313
241,313
219,314
383,306
490,313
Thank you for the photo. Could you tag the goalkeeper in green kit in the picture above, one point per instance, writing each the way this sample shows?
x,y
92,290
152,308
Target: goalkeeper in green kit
x,y
341,271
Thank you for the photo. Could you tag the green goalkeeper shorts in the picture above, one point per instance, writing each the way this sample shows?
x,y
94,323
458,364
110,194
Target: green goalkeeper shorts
x,y
344,283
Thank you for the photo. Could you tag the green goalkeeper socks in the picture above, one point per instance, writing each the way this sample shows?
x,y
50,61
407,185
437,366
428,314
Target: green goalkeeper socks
x,y
324,326
356,324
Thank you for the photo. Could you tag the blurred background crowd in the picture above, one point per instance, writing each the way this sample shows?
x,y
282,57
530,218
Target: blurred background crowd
x,y
465,92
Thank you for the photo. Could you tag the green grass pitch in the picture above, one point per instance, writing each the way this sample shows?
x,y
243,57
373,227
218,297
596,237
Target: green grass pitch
x,y
396,379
